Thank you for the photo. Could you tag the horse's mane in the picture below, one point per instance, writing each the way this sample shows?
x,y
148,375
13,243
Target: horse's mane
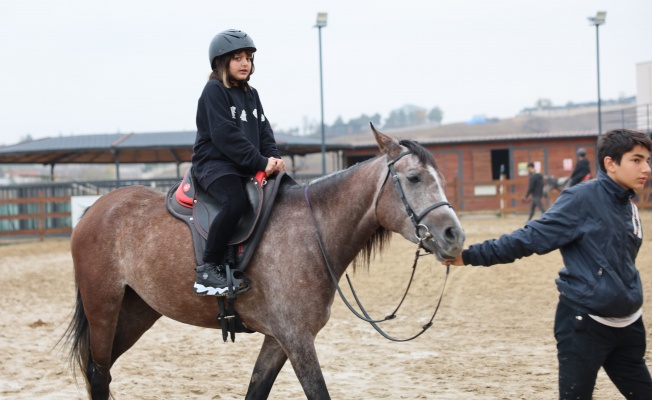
x,y
375,244
424,156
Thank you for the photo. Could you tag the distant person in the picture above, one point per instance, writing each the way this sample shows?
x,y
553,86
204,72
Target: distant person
x,y
534,189
597,229
582,171
234,141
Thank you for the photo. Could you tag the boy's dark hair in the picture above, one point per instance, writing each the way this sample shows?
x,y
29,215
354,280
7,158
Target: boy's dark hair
x,y
530,165
221,70
617,142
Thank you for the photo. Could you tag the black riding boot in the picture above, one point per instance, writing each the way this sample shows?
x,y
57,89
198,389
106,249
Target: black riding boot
x,y
210,280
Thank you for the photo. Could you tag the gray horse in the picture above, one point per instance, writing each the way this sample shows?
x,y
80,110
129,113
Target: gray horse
x,y
134,263
550,183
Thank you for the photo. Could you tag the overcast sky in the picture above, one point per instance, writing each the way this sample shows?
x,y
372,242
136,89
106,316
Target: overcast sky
x,y
81,66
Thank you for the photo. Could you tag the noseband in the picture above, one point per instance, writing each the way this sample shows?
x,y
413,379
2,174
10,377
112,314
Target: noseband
x,y
416,219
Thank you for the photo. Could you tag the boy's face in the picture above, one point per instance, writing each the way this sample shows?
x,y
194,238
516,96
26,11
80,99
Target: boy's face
x,y
633,170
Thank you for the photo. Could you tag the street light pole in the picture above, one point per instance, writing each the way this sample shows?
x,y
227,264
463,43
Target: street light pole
x,y
321,23
598,20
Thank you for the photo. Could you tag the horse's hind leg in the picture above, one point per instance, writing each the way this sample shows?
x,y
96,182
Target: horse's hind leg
x,y
135,318
269,363
123,322
102,308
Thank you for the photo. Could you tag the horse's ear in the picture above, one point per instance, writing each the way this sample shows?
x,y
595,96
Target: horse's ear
x,y
386,144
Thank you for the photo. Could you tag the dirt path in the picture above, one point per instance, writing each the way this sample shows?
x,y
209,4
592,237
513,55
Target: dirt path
x,y
492,338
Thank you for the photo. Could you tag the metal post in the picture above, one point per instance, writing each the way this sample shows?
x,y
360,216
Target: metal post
x,y
597,48
322,19
599,19
321,91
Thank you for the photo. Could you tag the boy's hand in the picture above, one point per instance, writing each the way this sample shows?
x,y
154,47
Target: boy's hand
x,y
457,261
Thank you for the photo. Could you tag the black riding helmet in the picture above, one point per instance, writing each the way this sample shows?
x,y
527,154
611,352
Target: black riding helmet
x,y
228,41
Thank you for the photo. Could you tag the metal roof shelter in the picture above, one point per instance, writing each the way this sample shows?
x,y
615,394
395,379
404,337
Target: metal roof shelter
x,y
117,148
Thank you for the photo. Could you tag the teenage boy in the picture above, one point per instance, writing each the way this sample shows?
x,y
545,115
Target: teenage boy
x,y
597,229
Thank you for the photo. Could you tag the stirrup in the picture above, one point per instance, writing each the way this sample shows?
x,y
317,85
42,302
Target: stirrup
x,y
237,281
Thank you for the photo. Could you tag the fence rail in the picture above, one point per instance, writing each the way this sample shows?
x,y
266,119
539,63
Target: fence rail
x,y
35,216
504,197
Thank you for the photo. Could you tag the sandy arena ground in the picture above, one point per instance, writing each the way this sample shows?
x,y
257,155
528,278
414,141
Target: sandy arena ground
x,y
492,338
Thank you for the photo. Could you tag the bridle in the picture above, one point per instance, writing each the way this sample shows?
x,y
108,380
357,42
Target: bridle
x,y
416,219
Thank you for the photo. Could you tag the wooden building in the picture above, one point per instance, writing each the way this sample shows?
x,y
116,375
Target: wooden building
x,y
473,164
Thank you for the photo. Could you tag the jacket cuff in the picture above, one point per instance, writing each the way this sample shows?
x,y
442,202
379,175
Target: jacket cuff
x,y
262,164
465,257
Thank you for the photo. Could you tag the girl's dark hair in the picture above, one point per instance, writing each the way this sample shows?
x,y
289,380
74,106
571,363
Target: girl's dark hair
x,y
617,142
221,69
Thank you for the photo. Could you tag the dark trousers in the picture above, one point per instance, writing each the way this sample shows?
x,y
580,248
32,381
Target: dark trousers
x,y
229,191
584,345
535,202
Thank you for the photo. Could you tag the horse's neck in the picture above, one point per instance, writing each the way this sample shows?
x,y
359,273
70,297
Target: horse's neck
x,y
344,210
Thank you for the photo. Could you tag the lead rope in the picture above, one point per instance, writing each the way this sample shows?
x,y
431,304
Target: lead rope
x,y
365,316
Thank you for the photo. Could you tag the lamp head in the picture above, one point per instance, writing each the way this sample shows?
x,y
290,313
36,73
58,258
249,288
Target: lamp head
x,y
599,18
322,17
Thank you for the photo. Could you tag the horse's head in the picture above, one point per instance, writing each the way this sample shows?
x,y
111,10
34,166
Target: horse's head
x,y
412,200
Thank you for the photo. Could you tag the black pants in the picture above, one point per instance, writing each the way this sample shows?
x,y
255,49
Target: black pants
x,y
230,193
535,202
584,345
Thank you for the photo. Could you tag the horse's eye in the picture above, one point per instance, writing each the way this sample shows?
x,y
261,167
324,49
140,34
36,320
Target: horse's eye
x,y
413,178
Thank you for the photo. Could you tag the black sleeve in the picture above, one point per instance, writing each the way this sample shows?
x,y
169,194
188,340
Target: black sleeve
x,y
555,229
267,142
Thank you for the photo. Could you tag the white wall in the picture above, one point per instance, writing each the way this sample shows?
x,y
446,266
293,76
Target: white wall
x,y
644,94
78,204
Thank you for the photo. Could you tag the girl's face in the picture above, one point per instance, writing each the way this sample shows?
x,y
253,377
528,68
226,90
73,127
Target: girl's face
x,y
240,65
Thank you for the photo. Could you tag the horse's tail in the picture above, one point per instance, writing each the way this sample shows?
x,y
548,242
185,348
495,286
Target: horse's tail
x,y
77,336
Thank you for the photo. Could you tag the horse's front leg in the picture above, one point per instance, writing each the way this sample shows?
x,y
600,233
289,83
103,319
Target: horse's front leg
x,y
303,356
270,360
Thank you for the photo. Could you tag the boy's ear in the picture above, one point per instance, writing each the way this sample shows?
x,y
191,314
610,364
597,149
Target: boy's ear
x,y
609,164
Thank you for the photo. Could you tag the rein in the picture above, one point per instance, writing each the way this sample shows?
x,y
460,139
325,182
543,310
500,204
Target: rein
x,y
427,236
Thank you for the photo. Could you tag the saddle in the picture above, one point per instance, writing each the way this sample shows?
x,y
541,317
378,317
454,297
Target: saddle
x,y
190,203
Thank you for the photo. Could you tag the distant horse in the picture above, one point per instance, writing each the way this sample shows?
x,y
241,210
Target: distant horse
x,y
134,262
551,182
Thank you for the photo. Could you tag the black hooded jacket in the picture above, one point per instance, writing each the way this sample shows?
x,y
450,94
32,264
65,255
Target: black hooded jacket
x,y
596,228
233,134
581,170
535,186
